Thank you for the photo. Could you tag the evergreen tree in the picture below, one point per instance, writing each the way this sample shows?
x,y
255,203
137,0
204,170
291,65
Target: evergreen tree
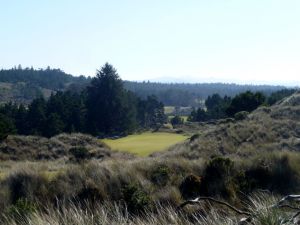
x,y
110,108
6,127
151,112
36,117
247,101
176,120
54,125
21,120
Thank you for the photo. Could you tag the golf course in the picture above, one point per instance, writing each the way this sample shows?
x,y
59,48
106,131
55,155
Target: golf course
x,y
145,143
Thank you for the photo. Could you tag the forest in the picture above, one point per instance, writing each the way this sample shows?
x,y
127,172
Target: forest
x,y
105,107
22,85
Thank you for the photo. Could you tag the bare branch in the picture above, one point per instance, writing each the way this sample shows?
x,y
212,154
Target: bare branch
x,y
199,199
288,198
280,204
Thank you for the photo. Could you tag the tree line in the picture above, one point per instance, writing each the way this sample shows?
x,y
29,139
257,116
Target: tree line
x,y
103,108
53,79
185,94
29,83
218,107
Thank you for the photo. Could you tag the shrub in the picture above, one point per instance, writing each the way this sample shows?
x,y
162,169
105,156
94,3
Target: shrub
x,y
176,120
6,127
190,186
160,175
241,115
277,175
22,209
66,185
79,153
28,186
219,178
194,137
135,198
89,194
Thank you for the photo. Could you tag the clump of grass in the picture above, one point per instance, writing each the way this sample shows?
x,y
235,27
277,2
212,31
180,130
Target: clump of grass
x,y
18,147
27,185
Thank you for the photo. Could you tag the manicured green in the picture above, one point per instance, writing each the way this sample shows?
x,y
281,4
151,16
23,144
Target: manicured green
x,y
145,143
169,109
183,117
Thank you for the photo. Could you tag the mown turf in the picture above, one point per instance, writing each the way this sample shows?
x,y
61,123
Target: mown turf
x,y
169,109
183,117
145,143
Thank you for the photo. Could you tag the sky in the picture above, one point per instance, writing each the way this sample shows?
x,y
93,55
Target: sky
x,y
242,41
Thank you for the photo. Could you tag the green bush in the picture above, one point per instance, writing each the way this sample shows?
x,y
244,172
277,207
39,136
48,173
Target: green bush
x,y
135,198
89,194
219,178
190,187
160,175
6,127
241,115
194,137
275,175
80,153
28,186
176,120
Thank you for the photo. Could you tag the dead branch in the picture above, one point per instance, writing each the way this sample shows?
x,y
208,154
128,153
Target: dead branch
x,y
250,216
199,199
288,206
288,198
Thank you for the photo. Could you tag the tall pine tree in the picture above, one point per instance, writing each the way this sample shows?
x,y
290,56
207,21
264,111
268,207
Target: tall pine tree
x,y
110,108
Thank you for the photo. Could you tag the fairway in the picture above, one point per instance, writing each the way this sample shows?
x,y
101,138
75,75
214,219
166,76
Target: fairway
x,y
145,143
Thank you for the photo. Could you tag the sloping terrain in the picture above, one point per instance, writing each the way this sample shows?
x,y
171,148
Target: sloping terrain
x,y
40,148
266,129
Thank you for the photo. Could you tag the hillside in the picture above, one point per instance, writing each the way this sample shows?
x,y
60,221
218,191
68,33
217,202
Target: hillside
x,y
58,147
266,129
23,85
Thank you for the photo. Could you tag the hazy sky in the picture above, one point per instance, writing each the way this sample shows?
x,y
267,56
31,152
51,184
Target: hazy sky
x,y
191,40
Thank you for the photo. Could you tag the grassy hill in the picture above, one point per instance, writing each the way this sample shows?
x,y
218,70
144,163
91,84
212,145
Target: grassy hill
x,y
274,128
229,160
34,148
23,85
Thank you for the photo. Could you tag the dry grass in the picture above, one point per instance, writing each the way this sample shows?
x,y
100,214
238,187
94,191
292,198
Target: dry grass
x,y
22,148
267,129
107,214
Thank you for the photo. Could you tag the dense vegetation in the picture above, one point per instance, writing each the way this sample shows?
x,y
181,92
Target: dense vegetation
x,y
22,85
191,94
54,79
218,107
103,108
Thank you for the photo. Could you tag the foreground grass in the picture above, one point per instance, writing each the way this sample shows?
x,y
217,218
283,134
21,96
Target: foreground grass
x,y
107,213
145,143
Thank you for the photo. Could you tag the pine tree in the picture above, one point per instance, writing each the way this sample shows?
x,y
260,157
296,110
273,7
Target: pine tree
x,y
110,108
6,127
